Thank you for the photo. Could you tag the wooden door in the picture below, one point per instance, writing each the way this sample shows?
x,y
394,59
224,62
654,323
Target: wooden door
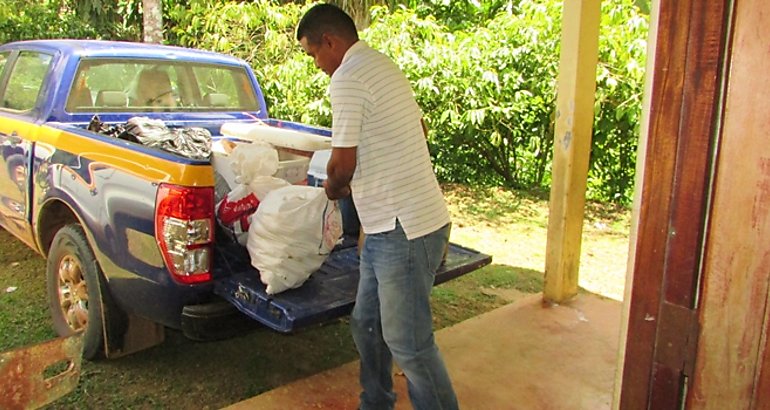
x,y
698,315
731,369
682,124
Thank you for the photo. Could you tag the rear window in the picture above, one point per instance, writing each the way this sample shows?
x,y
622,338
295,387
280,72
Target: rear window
x,y
141,85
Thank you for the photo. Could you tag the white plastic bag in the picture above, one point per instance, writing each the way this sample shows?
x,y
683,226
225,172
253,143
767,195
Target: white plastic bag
x,y
253,160
235,210
291,234
250,167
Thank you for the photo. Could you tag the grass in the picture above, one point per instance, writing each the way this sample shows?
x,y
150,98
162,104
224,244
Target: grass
x,y
181,374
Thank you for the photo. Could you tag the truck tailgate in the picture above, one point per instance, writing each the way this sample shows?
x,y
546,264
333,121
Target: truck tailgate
x,y
328,294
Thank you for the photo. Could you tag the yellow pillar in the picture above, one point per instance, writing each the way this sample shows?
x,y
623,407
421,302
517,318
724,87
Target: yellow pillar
x,y
572,146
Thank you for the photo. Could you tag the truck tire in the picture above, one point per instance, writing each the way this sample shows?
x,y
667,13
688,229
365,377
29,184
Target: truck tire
x,y
76,289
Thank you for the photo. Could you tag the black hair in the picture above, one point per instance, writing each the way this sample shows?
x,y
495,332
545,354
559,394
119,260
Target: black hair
x,y
325,18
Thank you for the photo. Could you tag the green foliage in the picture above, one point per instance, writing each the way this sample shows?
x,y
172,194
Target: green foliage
x,y
24,20
462,14
488,92
620,78
114,20
262,33
484,72
96,19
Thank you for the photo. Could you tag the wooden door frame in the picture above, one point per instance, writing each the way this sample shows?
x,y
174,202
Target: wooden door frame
x,y
683,116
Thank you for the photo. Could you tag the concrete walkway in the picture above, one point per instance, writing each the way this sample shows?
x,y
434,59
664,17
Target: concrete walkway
x,y
520,356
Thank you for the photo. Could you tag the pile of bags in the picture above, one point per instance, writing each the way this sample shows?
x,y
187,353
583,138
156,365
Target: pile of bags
x,y
190,142
248,169
289,230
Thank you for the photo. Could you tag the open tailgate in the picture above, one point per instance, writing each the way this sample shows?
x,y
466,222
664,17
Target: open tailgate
x,y
328,294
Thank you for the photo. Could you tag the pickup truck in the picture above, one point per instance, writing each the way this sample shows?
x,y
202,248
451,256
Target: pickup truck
x,y
129,230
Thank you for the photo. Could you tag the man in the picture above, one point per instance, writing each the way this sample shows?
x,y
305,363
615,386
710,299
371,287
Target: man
x,y
379,153
153,89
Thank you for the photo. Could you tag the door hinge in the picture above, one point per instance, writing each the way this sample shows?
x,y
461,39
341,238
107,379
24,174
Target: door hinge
x,y
676,340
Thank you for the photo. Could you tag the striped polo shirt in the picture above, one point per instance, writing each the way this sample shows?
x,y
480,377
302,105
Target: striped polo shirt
x,y
374,109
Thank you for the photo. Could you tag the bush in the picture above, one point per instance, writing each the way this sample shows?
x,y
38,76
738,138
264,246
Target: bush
x,y
262,33
618,106
489,93
488,90
24,20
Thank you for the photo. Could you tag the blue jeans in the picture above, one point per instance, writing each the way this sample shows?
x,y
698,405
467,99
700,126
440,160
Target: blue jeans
x,y
391,320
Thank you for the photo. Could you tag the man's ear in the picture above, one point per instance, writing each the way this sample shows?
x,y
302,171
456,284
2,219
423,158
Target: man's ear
x,y
328,39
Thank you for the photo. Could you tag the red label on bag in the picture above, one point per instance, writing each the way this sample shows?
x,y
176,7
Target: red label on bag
x,y
231,211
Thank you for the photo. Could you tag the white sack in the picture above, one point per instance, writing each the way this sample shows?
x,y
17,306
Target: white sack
x,y
247,170
291,234
234,211
262,185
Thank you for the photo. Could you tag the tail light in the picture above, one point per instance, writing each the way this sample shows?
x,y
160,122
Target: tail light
x,y
184,230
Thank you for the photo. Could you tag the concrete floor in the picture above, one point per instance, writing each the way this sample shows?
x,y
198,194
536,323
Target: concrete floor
x,y
520,356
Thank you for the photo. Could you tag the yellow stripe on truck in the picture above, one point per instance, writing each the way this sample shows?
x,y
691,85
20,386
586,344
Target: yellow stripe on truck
x,y
140,164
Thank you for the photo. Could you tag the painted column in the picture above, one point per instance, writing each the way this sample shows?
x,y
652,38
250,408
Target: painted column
x,y
572,146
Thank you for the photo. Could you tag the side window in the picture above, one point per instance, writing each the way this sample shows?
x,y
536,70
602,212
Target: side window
x,y
26,80
3,59
3,64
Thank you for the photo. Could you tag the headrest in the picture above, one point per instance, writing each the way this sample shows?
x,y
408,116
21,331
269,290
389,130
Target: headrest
x,y
216,100
111,98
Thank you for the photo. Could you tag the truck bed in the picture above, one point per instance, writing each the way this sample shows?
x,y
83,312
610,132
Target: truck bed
x,y
329,293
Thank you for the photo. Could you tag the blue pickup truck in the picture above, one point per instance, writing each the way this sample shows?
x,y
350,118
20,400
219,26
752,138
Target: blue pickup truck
x,y
128,229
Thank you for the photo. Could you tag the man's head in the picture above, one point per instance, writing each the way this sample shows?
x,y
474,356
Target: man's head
x,y
153,88
326,32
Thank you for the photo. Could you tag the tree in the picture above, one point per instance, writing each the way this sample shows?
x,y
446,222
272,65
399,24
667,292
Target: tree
x,y
152,17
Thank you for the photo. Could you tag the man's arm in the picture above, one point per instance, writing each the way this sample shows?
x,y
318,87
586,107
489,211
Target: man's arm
x,y
339,171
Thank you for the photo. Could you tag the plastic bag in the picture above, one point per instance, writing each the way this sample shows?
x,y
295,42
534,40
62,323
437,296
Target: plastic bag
x,y
249,161
250,167
237,206
291,234
191,142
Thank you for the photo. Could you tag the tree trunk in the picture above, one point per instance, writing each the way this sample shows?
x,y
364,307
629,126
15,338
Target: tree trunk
x,y
358,10
152,15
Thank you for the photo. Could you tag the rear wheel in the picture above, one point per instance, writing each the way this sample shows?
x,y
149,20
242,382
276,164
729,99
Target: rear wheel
x,y
76,289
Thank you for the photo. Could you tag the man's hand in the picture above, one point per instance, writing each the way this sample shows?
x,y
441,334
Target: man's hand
x,y
339,172
334,192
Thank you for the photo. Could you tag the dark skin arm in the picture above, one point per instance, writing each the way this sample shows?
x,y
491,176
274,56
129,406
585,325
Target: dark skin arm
x,y
340,168
339,171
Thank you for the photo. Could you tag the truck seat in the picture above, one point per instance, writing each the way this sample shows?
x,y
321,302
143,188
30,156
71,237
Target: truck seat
x,y
111,98
216,100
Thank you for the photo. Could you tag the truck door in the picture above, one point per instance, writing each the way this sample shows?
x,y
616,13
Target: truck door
x,y
21,81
